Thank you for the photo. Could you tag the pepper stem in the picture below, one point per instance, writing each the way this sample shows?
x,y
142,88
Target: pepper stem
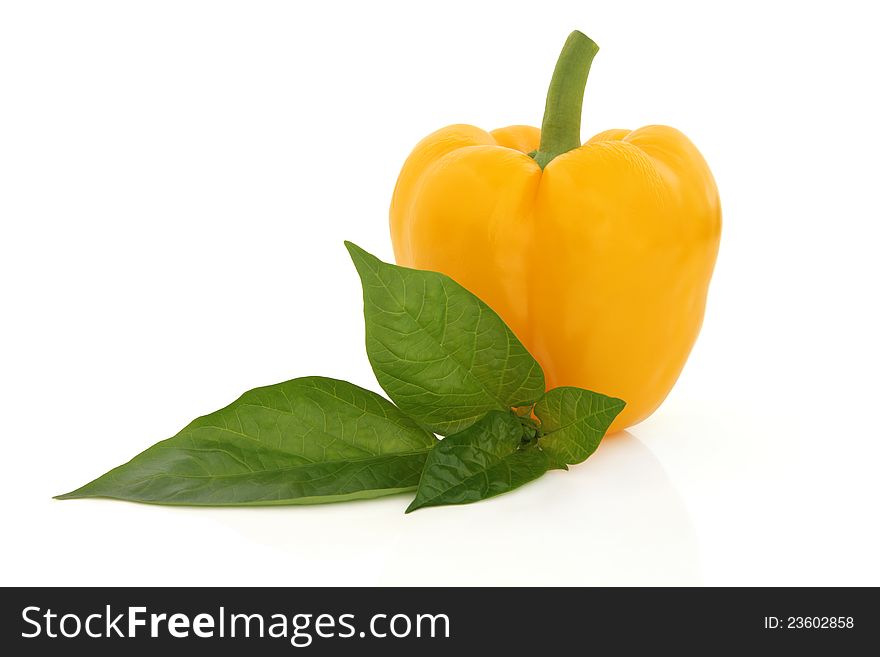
x,y
561,128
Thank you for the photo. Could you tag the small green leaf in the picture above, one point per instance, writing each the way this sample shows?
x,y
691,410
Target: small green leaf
x,y
442,355
573,422
305,441
486,459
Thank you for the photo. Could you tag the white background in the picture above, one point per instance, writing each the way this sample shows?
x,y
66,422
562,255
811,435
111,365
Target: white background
x,y
176,181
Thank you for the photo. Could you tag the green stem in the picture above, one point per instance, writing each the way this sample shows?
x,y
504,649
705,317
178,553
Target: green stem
x,y
561,129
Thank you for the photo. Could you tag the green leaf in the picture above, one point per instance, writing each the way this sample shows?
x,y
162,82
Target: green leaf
x,y
573,422
442,355
486,459
305,441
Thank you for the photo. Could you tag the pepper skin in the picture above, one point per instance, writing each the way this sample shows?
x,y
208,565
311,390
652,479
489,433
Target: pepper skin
x,y
599,261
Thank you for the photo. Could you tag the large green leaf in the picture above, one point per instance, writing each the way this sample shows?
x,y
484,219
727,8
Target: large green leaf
x,y
305,441
442,355
573,422
486,459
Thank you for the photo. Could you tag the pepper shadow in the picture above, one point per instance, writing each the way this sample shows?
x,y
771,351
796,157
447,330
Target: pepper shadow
x,y
616,519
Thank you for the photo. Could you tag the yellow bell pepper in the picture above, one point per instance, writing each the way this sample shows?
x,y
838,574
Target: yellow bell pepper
x,y
598,256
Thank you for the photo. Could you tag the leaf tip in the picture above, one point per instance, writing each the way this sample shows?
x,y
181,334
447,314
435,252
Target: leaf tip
x,y
415,505
617,406
354,250
76,493
363,260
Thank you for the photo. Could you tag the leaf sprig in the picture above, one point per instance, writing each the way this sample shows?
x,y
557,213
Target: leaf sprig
x,y
451,367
